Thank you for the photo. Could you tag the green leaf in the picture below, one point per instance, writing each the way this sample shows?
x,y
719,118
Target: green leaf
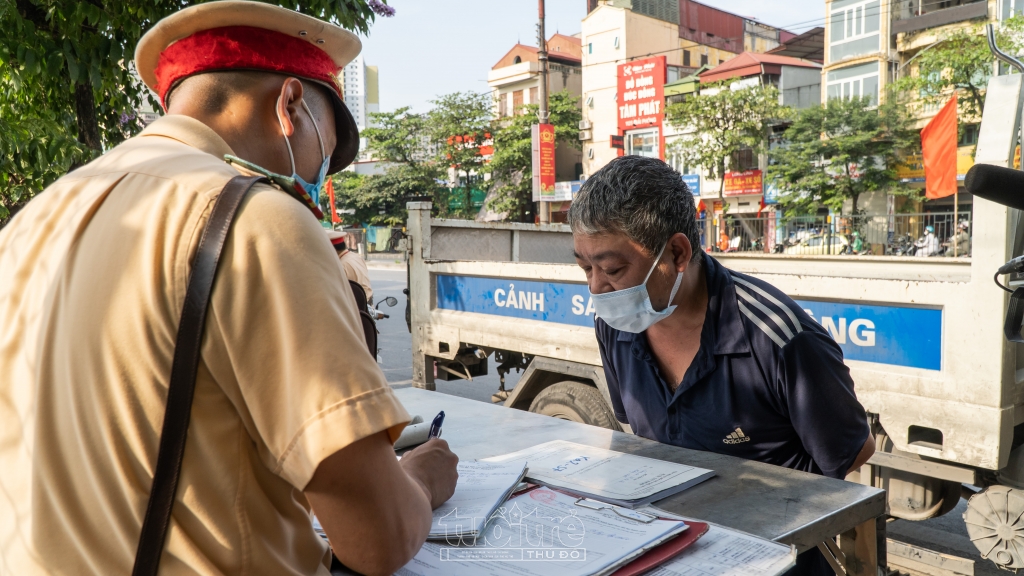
x,y
72,66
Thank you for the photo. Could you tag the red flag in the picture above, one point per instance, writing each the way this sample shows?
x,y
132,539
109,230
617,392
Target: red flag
x,y
938,147
330,195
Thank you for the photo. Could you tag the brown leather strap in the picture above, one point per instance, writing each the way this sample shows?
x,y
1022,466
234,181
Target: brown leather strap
x,y
183,375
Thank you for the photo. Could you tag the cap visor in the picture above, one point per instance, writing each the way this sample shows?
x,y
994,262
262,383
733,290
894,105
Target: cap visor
x,y
347,132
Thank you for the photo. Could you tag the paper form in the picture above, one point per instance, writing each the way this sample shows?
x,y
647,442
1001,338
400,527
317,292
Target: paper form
x,y
544,533
482,487
606,475
724,552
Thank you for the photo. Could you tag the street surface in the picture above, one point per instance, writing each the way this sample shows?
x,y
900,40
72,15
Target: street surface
x,y
945,534
396,345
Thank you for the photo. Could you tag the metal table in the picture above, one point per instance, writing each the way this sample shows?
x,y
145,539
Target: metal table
x,y
775,503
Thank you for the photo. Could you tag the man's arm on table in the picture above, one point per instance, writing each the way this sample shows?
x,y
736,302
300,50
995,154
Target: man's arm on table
x,y
376,510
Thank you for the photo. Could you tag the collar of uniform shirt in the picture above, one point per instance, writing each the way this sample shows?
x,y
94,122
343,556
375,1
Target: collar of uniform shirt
x,y
190,132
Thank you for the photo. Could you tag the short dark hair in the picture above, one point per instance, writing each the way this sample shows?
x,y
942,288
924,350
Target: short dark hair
x,y
643,198
212,91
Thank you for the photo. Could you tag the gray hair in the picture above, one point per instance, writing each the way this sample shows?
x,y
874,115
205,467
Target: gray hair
x,y
643,198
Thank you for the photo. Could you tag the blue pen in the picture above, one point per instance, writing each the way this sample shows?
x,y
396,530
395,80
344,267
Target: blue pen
x,y
435,426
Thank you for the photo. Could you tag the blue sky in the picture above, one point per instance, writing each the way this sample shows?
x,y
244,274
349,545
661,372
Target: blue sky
x,y
434,47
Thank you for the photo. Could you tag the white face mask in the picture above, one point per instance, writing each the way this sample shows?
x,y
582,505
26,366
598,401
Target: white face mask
x,y
630,310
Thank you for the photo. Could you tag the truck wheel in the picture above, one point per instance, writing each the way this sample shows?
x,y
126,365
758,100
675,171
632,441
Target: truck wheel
x,y
577,402
993,519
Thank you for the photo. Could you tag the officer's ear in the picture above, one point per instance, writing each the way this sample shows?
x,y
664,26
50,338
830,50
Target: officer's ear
x,y
681,249
289,105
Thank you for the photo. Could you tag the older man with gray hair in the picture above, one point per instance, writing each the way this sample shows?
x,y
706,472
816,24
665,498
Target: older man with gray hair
x,y
702,357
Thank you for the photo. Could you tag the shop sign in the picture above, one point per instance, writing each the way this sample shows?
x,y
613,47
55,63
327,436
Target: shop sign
x,y
617,141
543,137
641,93
693,183
771,193
566,190
912,169
743,183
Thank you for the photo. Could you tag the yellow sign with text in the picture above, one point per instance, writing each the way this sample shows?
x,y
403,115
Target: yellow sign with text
x,y
912,170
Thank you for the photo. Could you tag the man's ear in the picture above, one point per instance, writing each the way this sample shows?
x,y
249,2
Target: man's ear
x,y
682,251
289,104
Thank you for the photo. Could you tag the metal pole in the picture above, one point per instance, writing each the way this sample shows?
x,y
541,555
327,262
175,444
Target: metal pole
x,y
542,112
956,223
990,34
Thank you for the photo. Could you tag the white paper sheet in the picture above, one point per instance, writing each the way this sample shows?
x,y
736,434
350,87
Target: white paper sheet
x,y
482,487
724,552
606,475
543,533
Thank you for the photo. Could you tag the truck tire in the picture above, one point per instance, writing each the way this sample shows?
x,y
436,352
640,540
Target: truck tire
x,y
577,402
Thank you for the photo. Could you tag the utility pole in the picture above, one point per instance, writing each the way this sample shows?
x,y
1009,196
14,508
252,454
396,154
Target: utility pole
x,y
542,113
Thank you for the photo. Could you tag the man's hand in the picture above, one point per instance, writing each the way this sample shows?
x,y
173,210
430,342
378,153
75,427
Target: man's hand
x,y
376,513
433,465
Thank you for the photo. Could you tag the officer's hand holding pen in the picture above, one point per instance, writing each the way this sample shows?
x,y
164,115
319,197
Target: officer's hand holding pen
x,y
434,465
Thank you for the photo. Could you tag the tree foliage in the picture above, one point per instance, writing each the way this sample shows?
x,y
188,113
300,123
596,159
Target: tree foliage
x,y
66,79
960,60
721,121
379,199
399,140
457,126
419,152
512,163
838,151
398,137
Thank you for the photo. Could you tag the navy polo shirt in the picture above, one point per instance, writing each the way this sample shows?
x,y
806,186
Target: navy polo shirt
x,y
768,383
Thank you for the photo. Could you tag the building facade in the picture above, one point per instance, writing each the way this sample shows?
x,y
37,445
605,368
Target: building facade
x,y
515,82
362,96
873,43
669,40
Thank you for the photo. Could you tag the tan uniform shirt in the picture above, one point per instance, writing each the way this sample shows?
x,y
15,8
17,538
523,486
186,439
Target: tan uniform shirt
x,y
92,280
356,270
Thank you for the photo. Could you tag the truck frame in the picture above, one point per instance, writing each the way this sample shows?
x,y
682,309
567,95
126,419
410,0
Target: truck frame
x,y
922,337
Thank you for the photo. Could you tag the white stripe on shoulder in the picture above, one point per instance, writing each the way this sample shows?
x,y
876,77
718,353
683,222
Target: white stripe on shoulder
x,y
773,300
767,312
760,323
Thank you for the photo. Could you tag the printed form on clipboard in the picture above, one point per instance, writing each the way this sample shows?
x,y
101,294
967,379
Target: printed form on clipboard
x,y
605,475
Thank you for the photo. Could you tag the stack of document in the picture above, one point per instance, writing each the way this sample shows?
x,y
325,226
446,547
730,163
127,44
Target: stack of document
x,y
546,533
482,488
724,552
613,477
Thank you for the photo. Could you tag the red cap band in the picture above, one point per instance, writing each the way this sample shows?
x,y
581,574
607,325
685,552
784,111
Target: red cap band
x,y
243,48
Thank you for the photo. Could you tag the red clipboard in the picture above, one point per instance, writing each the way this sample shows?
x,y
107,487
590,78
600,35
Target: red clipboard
x,y
655,556
663,552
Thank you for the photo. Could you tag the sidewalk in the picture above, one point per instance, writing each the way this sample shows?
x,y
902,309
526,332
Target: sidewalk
x,y
385,264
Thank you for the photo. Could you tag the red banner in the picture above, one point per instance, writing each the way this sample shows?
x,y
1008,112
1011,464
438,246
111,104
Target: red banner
x,y
543,162
938,148
743,183
641,93
329,184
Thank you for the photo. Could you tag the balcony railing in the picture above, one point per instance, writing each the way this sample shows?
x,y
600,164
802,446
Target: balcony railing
x,y
911,15
896,235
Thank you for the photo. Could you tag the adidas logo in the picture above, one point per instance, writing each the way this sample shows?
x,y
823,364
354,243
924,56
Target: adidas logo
x,y
736,437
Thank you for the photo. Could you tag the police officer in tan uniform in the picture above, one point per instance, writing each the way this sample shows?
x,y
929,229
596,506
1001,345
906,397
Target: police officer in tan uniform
x,y
352,263
92,281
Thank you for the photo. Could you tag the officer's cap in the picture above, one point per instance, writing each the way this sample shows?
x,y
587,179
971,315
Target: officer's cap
x,y
242,35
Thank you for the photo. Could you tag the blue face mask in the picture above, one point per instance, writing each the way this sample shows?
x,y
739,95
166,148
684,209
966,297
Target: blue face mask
x,y
314,188
308,193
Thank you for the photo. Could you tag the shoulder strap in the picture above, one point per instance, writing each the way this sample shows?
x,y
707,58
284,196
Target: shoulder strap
x,y
183,375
